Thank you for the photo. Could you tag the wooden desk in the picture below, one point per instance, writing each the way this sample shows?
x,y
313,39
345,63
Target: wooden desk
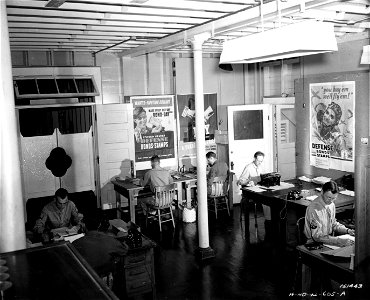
x,y
333,268
131,192
276,200
56,271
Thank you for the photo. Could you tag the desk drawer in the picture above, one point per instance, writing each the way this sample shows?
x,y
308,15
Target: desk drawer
x,y
137,258
139,271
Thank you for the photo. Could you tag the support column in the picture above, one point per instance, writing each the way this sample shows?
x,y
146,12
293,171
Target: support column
x,y
204,251
12,222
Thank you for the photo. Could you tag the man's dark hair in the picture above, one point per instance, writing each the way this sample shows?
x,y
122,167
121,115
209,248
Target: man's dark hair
x,y
61,193
259,153
330,186
211,154
155,158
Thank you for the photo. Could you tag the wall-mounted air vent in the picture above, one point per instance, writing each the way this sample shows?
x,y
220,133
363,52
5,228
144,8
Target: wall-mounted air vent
x,y
29,89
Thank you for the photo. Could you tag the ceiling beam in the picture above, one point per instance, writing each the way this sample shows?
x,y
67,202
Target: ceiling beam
x,y
220,26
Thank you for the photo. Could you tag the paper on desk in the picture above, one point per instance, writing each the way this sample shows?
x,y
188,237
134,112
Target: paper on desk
x,y
341,252
304,178
74,237
310,198
331,246
256,189
283,185
348,193
321,179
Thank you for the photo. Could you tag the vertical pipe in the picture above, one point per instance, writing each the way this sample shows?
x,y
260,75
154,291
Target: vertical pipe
x,y
12,227
200,142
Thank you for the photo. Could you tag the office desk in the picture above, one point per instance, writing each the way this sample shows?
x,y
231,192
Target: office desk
x,y
56,271
131,192
337,269
276,200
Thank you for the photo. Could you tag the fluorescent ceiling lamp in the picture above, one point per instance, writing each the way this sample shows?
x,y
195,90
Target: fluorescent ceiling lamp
x,y
294,40
365,57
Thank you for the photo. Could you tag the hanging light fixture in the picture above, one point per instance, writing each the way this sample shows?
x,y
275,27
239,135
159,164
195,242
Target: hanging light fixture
x,y
293,40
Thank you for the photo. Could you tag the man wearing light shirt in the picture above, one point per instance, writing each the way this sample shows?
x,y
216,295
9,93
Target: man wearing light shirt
x,y
320,221
251,176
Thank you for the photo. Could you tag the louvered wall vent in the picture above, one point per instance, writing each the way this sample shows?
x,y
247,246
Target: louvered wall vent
x,y
39,90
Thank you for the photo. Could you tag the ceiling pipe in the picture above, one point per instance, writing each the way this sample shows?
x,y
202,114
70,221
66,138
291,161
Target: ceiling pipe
x,y
119,43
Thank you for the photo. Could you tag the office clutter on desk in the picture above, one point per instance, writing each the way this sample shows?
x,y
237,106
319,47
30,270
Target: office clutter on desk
x,y
321,179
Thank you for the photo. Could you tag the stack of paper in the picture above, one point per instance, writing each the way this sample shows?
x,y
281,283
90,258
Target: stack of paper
x,y
348,193
304,178
321,179
341,252
310,198
256,189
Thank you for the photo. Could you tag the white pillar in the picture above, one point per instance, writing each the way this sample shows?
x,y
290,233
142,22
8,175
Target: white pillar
x,y
12,222
204,250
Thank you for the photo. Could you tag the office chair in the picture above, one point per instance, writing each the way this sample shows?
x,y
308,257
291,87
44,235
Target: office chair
x,y
164,195
300,231
219,197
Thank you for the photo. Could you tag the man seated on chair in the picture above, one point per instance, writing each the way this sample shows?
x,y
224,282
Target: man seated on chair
x,y
57,214
217,169
251,176
157,176
320,221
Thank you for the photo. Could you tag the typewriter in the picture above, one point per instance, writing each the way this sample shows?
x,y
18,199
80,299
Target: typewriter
x,y
270,179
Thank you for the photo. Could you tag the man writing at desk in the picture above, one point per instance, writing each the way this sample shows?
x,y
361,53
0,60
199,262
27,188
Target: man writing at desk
x,y
59,213
320,222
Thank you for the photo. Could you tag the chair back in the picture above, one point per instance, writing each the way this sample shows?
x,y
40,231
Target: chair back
x,y
300,231
164,195
220,186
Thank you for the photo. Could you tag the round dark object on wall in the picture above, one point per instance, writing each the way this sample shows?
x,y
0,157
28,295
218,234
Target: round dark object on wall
x,y
58,162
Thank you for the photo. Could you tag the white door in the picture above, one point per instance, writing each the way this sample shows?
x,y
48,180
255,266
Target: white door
x,y
250,130
80,175
285,141
116,147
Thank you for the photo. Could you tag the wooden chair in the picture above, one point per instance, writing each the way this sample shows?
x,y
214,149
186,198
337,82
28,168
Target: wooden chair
x,y
218,200
164,196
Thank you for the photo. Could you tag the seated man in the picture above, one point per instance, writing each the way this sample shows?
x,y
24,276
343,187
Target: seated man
x,y
157,176
251,175
59,213
320,222
217,168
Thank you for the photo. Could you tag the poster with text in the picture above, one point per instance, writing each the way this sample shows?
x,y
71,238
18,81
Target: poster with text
x,y
154,129
332,125
187,127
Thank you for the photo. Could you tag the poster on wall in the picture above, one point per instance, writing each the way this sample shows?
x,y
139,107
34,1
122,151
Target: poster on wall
x,y
187,126
154,129
332,125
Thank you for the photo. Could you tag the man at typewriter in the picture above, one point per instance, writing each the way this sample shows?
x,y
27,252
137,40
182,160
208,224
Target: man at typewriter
x,y
251,173
251,176
217,168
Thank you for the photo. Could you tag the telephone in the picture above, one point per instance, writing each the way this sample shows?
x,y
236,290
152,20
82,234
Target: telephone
x,y
294,195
